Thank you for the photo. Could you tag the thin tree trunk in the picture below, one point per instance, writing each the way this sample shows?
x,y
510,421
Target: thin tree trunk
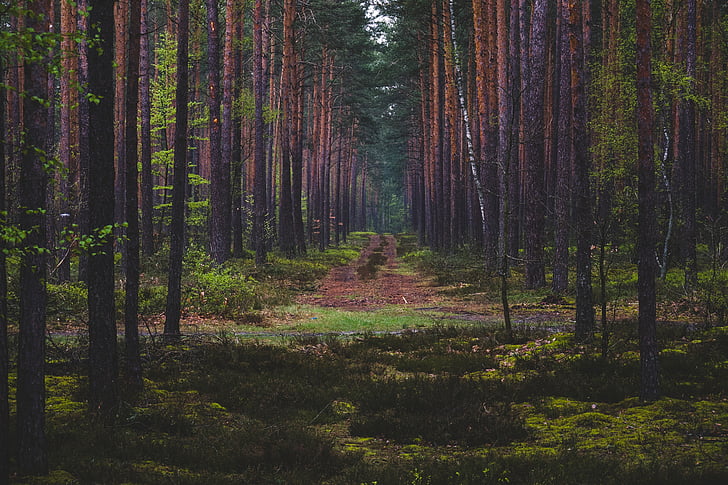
x,y
582,192
646,270
562,203
535,276
259,161
83,137
4,355
131,287
228,96
220,201
147,193
286,237
177,226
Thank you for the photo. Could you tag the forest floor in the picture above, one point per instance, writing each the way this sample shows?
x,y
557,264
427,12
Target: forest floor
x,y
393,286
387,371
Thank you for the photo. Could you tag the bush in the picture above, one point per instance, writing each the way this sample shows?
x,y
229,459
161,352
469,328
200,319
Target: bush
x,y
221,292
67,301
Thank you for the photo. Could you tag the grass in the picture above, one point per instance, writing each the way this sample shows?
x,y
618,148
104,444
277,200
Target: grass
x,y
269,392
445,404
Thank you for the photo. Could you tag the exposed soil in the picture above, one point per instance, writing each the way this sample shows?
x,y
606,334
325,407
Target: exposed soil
x,y
355,287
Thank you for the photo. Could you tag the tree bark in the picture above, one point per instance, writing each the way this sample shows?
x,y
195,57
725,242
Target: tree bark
x,y
131,157
220,201
535,275
646,264
32,445
177,226
583,204
4,355
562,203
228,122
286,237
103,358
259,160
145,112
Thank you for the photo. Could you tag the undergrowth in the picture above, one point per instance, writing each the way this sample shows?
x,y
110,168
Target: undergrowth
x,y
448,404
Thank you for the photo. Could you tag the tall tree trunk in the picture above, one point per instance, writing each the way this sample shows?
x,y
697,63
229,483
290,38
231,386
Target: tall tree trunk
x,y
68,136
286,237
535,275
177,226
583,204
220,201
4,355
228,96
297,161
505,154
83,136
259,161
562,203
103,358
145,112
131,287
646,264
686,163
32,446
121,15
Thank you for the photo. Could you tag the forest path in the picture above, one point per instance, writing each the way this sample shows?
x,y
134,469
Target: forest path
x,y
373,281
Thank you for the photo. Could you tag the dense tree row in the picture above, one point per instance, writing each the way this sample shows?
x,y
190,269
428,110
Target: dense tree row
x,y
523,137
550,94
139,124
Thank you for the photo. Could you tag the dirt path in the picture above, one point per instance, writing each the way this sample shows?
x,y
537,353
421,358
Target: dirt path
x,y
353,287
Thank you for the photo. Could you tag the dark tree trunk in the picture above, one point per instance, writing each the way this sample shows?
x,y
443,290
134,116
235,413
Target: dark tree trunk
x,y
297,164
286,237
32,446
177,226
4,356
583,203
103,358
145,105
220,201
228,122
131,287
535,276
646,239
686,163
259,161
562,203
83,138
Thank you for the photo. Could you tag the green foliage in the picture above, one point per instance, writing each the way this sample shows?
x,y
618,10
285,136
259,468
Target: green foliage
x,y
67,301
221,292
447,405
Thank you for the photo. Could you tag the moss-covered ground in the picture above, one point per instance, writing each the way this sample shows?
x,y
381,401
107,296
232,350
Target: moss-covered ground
x,y
421,400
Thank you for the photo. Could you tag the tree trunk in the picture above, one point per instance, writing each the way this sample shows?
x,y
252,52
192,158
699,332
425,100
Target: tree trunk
x,y
147,193
583,204
220,202
646,264
83,136
228,122
535,275
686,163
131,287
177,226
286,237
103,359
562,203
32,449
4,355
259,161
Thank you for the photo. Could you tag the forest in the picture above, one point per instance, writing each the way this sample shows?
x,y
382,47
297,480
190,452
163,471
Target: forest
x,y
363,241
